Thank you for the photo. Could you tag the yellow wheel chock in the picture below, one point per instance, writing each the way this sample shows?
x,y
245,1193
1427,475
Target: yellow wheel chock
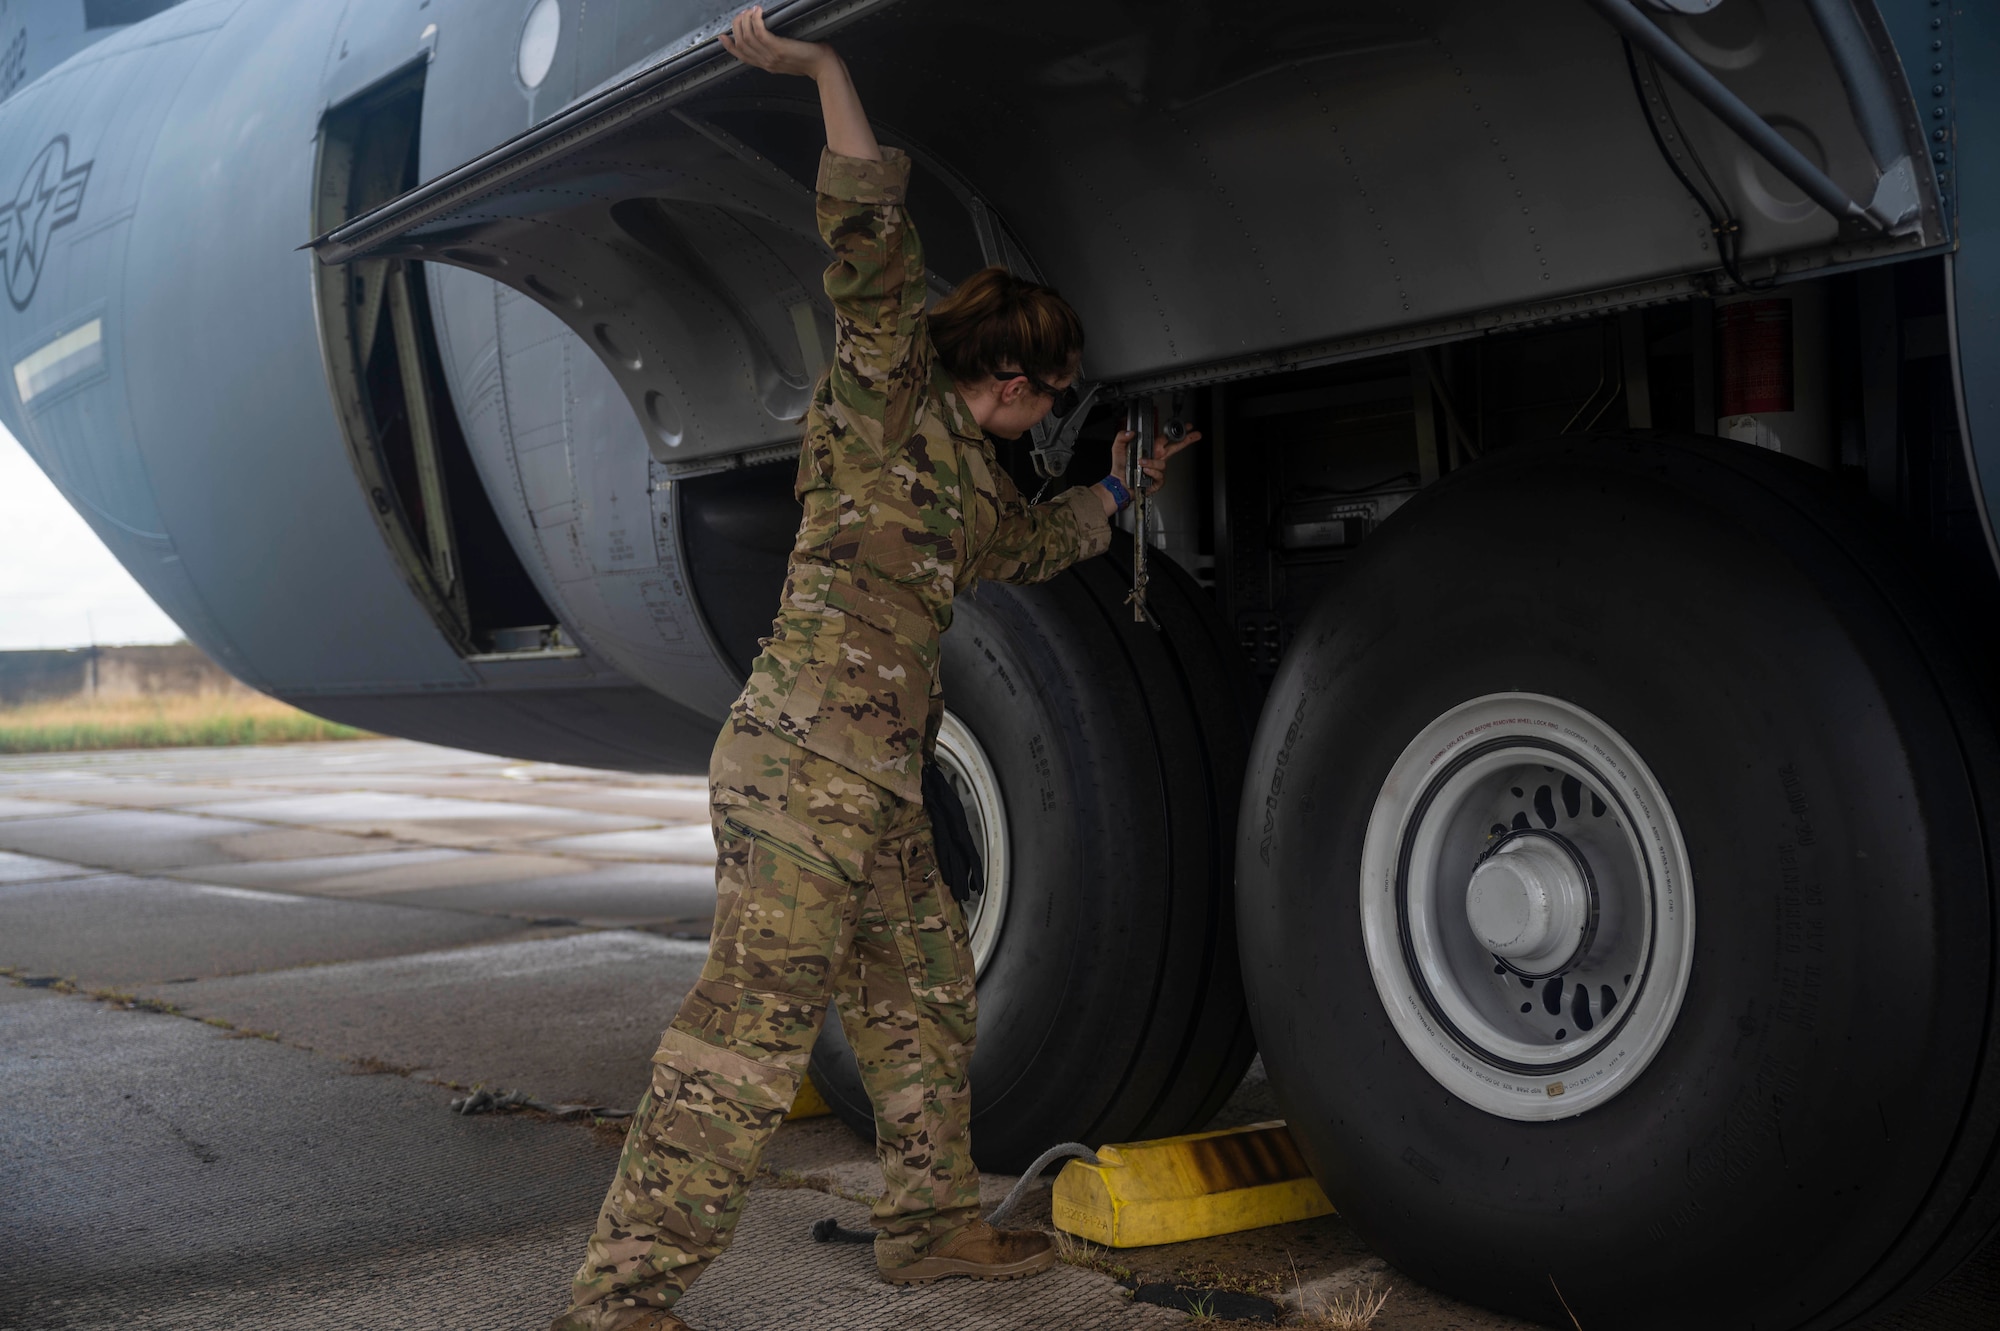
x,y
1191,1187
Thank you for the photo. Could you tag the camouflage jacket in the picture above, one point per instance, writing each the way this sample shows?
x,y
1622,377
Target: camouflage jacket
x,y
905,507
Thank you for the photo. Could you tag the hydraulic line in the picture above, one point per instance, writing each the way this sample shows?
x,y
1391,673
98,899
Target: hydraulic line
x,y
831,1230
1722,224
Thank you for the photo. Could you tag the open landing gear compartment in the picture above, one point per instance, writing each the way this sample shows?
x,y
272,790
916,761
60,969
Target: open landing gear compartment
x,y
1110,1003
1616,895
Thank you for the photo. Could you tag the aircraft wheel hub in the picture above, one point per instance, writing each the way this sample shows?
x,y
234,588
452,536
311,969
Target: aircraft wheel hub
x,y
1531,903
1526,908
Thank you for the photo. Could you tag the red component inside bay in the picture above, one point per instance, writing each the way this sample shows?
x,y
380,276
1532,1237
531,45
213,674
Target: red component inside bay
x,y
1756,338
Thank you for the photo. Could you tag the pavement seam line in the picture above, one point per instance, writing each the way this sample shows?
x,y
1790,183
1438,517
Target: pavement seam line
x,y
365,1065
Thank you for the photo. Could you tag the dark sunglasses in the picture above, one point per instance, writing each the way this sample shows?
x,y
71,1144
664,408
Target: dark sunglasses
x,y
1064,398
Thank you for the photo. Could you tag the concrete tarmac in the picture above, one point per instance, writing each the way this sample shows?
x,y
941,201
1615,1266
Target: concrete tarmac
x,y
245,983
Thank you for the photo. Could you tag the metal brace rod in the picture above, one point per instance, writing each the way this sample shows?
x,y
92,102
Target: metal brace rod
x,y
1867,90
1752,128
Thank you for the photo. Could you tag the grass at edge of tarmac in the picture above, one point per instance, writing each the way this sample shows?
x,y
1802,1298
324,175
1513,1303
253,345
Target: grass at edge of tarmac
x,y
202,721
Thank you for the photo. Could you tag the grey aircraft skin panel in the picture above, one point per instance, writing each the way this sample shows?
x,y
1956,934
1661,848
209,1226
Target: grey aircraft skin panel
x,y
1188,206
1218,197
36,36
188,419
225,487
560,453
567,465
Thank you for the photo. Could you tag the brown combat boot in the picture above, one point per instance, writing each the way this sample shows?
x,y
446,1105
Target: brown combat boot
x,y
656,1320
638,1319
979,1251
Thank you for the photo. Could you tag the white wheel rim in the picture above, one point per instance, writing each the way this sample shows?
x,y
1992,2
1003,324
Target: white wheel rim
x,y
971,773
1602,909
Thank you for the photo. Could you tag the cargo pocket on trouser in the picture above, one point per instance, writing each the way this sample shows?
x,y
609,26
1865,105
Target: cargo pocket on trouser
x,y
937,954
728,1102
712,1111
732,879
784,920
667,1214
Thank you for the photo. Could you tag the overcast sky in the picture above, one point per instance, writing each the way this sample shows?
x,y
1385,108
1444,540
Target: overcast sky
x,y
59,586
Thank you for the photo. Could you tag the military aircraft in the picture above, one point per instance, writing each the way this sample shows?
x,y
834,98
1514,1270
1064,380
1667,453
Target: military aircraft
x,y
1562,739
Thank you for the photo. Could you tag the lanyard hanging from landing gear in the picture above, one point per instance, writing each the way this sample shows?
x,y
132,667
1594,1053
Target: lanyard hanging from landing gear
x,y
1055,444
1141,419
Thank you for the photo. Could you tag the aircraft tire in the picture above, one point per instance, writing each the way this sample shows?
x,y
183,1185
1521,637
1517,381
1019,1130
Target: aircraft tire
x,y
1791,1119
1111,1006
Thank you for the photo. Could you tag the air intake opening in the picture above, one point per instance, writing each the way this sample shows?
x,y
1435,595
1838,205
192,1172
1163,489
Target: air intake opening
x,y
394,405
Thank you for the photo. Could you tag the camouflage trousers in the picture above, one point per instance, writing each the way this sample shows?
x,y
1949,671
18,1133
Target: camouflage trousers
x,y
827,890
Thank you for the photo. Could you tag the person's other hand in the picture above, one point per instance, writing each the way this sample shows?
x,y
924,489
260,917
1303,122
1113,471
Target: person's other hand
x,y
754,44
1155,466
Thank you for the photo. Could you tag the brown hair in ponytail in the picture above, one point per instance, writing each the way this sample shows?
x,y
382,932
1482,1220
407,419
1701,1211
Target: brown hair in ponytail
x,y
997,321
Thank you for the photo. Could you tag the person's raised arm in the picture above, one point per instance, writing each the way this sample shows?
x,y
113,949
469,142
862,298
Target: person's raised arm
x,y
876,280
847,129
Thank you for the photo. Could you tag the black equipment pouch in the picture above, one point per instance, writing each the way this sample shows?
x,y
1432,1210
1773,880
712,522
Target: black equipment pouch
x,y
957,852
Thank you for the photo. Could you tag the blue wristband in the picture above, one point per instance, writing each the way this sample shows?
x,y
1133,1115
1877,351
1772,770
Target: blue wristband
x,y
1119,494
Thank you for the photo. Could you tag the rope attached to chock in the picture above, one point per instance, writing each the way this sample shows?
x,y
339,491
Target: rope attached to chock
x,y
830,1230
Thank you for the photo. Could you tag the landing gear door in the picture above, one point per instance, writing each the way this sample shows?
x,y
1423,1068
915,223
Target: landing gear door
x,y
684,258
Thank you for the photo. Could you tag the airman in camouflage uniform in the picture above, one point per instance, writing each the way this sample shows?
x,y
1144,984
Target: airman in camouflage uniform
x,y
827,887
